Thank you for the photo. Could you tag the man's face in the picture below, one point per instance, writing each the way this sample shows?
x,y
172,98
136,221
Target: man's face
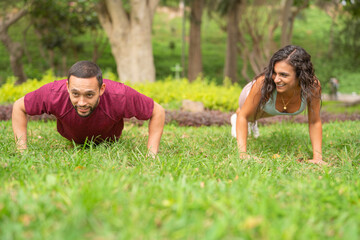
x,y
84,94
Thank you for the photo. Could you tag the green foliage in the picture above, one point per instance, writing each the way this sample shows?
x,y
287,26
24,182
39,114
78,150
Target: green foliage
x,y
54,21
211,95
9,92
338,107
347,41
197,188
169,92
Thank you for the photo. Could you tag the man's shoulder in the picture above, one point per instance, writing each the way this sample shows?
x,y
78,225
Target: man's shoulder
x,y
55,86
115,89
51,98
113,86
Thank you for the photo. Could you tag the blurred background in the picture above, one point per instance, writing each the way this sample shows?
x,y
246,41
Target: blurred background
x,y
224,41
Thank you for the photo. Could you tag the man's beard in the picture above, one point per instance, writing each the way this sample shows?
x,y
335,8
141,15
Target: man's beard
x,y
91,109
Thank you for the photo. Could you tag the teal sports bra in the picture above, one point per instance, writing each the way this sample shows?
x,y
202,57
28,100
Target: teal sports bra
x,y
270,108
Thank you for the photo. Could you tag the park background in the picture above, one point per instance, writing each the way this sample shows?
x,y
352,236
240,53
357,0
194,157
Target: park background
x,y
197,187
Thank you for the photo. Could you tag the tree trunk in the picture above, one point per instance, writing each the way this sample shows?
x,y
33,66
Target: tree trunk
x,y
24,44
256,44
286,22
15,49
130,37
195,59
289,14
230,69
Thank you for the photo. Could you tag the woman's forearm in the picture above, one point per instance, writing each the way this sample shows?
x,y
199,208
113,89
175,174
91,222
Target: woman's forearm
x,y
315,132
241,133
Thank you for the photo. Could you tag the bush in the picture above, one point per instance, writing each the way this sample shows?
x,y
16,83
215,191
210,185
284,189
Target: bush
x,y
169,92
214,97
10,92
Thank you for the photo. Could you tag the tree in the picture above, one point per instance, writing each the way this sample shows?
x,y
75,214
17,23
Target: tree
x,y
258,22
290,9
128,27
332,9
231,10
15,49
195,58
347,40
58,23
233,18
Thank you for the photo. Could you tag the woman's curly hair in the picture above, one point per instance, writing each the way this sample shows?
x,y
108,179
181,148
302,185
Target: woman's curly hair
x,y
300,60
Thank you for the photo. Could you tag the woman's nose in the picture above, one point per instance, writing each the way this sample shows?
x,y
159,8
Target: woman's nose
x,y
276,78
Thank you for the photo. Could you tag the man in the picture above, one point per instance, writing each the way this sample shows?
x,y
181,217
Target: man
x,y
88,107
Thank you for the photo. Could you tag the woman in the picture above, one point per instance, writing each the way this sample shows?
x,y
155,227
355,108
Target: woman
x,y
285,87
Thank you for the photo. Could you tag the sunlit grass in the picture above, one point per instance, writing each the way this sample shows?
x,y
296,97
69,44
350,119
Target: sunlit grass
x,y
196,188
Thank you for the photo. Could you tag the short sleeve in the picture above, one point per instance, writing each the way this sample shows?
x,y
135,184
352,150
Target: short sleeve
x,y
138,105
36,102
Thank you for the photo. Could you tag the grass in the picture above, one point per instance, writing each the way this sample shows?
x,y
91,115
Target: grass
x,y
196,188
339,107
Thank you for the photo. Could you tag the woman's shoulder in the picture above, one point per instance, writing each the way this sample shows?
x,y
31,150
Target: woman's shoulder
x,y
317,87
260,78
259,82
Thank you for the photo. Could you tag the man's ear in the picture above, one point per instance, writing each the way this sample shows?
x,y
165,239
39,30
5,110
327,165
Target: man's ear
x,y
102,89
67,85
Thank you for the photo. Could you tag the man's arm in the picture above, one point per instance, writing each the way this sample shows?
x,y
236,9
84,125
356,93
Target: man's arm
x,y
19,124
156,127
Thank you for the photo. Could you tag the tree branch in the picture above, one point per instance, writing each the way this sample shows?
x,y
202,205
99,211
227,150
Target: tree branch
x,y
153,4
12,18
104,17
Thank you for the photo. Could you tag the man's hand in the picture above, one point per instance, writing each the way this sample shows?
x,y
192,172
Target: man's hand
x,y
156,127
19,124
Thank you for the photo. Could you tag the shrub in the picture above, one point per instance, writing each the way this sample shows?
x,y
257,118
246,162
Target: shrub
x,y
10,92
168,91
214,97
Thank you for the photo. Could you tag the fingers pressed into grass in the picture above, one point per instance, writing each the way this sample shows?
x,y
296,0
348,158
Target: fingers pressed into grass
x,y
318,161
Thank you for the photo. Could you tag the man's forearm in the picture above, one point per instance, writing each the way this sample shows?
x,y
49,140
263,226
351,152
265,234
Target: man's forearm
x,y
156,127
19,124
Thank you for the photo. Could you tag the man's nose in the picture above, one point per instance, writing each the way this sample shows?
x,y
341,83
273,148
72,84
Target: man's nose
x,y
81,101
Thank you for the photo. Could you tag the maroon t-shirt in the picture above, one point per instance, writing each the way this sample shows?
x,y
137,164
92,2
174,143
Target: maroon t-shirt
x,y
105,122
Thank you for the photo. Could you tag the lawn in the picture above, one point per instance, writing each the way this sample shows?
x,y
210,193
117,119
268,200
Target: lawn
x,y
197,188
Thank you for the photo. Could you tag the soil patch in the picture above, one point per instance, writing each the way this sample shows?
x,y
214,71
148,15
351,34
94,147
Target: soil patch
x,y
207,118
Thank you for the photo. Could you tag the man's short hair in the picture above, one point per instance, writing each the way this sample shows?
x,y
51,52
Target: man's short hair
x,y
86,69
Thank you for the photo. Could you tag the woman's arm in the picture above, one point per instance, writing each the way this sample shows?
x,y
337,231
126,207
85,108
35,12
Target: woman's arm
x,y
315,129
246,113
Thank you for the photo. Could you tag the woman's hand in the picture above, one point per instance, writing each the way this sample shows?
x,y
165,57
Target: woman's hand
x,y
244,156
318,161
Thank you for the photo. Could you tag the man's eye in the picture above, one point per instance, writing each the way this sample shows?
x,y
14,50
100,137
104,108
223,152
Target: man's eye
x,y
75,94
90,95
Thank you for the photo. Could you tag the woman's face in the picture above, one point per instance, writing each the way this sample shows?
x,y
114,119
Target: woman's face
x,y
284,77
